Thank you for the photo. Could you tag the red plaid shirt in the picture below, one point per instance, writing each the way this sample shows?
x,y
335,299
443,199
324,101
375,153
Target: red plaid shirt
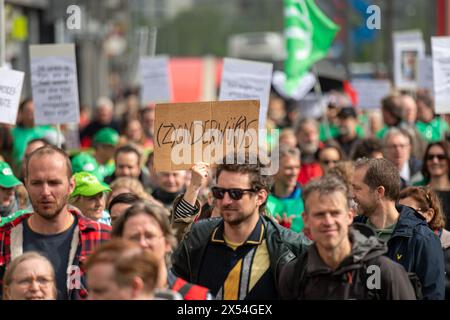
x,y
91,234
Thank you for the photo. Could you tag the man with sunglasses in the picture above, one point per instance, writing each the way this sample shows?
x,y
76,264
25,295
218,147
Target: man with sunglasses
x,y
238,256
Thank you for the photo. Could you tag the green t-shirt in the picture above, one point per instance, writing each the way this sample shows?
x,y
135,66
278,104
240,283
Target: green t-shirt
x,y
292,207
432,131
383,234
106,169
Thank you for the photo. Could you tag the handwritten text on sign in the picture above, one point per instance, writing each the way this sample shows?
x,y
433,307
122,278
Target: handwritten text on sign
x,y
10,89
54,83
189,133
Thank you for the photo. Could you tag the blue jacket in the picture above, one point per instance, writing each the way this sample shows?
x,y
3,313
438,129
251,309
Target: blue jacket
x,y
418,250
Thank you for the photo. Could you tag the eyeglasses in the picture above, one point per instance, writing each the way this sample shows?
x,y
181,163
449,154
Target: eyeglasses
x,y
438,156
234,193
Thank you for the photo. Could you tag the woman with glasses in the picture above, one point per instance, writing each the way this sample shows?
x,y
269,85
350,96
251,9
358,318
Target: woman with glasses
x,y
426,202
149,225
29,277
435,171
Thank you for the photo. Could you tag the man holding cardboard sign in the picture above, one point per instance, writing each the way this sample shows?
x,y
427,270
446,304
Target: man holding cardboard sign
x,y
190,133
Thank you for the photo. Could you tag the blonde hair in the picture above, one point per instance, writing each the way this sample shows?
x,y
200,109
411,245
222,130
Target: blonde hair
x,y
132,184
11,269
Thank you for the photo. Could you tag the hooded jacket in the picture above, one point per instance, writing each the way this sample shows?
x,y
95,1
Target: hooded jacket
x,y
414,245
350,280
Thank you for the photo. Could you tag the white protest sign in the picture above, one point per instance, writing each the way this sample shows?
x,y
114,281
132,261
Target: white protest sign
x,y
440,46
408,49
54,84
10,89
154,79
247,80
426,74
371,92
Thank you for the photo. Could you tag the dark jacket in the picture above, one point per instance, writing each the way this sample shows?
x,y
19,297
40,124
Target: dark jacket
x,y
418,250
445,242
349,280
415,165
283,246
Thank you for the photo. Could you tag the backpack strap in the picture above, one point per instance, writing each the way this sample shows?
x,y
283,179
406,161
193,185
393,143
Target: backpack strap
x,y
300,276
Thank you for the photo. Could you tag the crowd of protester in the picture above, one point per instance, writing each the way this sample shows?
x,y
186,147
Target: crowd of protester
x,y
354,189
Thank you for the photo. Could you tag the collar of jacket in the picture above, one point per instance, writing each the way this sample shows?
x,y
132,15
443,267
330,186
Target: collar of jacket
x,y
365,247
283,244
407,221
255,238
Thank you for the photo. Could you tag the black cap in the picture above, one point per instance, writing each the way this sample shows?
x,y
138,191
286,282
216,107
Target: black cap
x,y
347,112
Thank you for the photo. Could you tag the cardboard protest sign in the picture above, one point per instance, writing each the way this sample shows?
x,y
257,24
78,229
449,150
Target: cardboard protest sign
x,y
440,46
371,92
409,47
10,89
154,79
243,80
54,84
188,133
425,68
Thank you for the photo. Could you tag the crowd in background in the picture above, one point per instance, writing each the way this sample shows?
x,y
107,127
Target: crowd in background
x,y
116,192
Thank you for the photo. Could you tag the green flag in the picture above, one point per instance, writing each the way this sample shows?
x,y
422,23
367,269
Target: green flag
x,y
309,34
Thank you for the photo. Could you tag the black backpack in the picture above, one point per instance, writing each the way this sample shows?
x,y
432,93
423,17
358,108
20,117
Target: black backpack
x,y
372,294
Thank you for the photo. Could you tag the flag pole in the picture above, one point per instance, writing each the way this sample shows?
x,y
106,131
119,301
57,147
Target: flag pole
x,y
59,139
319,93
2,34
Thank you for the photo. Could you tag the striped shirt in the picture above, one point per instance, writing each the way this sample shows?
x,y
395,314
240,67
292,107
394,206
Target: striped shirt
x,y
241,273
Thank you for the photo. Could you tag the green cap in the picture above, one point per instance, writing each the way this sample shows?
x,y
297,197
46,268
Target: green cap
x,y
87,185
85,162
7,178
106,136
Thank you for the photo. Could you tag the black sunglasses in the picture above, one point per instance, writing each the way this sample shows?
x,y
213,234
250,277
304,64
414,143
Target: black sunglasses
x,y
234,193
439,156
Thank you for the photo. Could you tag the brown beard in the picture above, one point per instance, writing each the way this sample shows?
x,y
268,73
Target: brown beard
x,y
55,213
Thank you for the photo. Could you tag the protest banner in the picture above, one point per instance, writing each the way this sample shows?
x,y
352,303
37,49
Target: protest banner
x,y
409,47
425,68
440,47
154,79
54,84
244,80
10,89
188,133
371,92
